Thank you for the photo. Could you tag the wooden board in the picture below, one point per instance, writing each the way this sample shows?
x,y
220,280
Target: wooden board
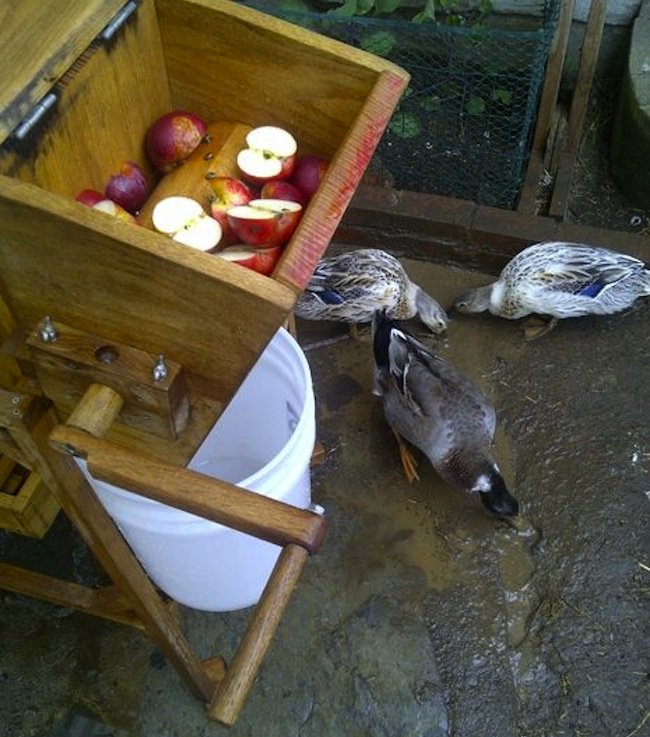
x,y
98,274
39,42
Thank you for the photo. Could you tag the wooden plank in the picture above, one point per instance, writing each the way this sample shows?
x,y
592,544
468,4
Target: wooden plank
x,y
38,44
108,603
233,689
547,104
213,499
586,71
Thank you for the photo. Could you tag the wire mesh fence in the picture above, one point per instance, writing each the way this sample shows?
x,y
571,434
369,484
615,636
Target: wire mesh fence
x,y
464,126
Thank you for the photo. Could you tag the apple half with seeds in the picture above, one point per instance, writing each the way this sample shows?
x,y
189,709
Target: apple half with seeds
x,y
262,260
185,221
265,222
271,154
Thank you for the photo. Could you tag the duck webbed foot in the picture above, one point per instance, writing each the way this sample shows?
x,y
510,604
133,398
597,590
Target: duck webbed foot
x,y
408,459
535,327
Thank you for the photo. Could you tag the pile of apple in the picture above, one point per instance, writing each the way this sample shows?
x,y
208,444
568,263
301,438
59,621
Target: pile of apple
x,y
248,219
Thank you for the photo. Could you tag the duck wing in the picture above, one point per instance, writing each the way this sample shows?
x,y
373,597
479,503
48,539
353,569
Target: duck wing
x,y
354,284
445,401
574,269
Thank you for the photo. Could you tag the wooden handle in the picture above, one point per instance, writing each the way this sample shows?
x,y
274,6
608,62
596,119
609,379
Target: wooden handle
x,y
232,691
213,499
96,410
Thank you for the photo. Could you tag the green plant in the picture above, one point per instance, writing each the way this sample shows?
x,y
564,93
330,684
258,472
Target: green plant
x,y
450,12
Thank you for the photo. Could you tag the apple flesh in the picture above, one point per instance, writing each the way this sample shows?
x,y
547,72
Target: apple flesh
x,y
282,190
264,223
308,173
186,222
262,260
270,154
227,192
112,208
129,187
172,138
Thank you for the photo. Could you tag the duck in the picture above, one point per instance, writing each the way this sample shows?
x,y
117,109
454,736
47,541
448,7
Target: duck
x,y
438,410
352,286
558,279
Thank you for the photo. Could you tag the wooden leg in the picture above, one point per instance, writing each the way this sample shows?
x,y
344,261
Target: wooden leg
x,y
408,459
232,691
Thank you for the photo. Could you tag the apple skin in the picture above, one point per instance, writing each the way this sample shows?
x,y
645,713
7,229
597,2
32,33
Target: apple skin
x,y
262,260
112,208
281,190
308,173
89,197
227,192
264,222
172,138
129,187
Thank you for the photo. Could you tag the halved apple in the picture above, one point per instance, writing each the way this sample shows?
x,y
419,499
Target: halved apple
x,y
112,208
271,154
186,222
264,222
262,260
227,192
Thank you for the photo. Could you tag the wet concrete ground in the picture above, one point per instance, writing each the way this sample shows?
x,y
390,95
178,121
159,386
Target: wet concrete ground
x,y
421,615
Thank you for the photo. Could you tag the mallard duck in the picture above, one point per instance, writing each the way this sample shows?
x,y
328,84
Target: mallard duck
x,y
561,280
438,410
351,287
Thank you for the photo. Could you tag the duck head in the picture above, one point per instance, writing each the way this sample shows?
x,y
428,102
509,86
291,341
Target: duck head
x,y
495,495
474,300
430,312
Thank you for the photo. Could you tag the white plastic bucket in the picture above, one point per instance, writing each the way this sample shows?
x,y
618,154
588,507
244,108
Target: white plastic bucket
x,y
262,442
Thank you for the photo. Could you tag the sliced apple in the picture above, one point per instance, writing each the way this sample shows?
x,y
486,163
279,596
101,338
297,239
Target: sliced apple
x,y
227,192
264,222
186,222
271,154
112,208
262,260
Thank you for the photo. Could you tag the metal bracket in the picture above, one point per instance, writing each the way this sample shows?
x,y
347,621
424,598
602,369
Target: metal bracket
x,y
35,116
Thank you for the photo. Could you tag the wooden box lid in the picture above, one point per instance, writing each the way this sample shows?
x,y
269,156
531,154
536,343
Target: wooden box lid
x,y
40,41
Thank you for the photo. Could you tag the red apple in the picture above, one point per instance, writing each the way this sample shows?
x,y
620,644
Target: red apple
x,y
264,223
227,192
129,187
172,138
308,173
186,222
262,260
89,197
112,208
271,154
281,190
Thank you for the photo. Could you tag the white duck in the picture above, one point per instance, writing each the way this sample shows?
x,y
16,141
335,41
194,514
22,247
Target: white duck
x,y
352,286
561,280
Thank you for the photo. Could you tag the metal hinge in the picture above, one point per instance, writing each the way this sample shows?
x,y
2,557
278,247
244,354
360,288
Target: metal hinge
x,y
121,17
48,102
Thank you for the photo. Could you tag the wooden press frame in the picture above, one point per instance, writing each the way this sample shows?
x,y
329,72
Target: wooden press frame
x,y
132,598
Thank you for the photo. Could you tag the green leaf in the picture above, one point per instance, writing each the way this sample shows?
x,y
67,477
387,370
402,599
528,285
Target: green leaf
x,y
427,13
388,6
475,106
380,43
365,6
348,9
430,104
504,96
405,125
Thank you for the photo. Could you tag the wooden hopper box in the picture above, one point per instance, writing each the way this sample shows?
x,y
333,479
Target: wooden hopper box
x,y
80,83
